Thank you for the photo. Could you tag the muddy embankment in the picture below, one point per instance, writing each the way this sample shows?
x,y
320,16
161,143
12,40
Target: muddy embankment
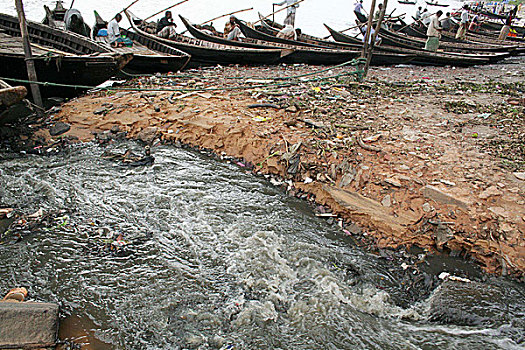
x,y
427,157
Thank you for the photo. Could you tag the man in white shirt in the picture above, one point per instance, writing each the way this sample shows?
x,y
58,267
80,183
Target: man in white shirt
x,y
463,25
418,13
425,17
359,12
290,17
434,32
114,29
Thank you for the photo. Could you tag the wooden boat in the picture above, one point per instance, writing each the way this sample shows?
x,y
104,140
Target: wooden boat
x,y
400,40
149,56
379,58
496,26
205,53
57,17
472,39
425,58
60,58
10,97
297,54
431,3
420,56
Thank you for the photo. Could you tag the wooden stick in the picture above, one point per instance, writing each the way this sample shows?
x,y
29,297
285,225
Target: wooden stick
x,y
272,14
166,9
368,28
72,3
374,36
229,14
362,24
30,64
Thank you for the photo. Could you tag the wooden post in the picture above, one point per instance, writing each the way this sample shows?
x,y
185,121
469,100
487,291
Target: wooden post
x,y
31,72
369,27
376,33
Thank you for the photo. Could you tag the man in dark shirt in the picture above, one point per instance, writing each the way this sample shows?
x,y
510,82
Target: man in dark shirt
x,y
166,26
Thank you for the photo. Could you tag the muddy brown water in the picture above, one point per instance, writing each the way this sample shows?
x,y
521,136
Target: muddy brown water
x,y
220,259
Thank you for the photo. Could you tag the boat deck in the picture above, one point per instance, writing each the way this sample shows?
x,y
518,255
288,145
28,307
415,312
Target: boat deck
x,y
12,44
136,49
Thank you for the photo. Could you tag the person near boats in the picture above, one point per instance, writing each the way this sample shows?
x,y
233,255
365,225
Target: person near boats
x,y
505,30
232,30
372,31
474,24
288,32
290,11
75,23
359,12
434,32
418,13
114,31
447,23
463,24
426,17
384,24
166,26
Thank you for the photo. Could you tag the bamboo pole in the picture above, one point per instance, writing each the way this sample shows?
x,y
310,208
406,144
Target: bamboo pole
x,y
361,24
30,64
272,14
229,14
368,28
126,8
166,9
374,36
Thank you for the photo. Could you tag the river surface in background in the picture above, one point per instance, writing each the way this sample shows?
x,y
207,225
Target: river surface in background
x,y
310,16
220,259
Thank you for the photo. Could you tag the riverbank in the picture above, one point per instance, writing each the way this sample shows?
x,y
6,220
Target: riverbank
x,y
427,157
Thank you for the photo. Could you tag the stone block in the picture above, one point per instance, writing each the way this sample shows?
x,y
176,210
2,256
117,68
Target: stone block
x,y
436,194
29,324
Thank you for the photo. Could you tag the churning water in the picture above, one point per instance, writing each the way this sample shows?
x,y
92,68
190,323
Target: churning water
x,y
218,258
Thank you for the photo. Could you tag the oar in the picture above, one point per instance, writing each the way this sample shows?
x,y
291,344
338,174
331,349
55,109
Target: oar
x,y
271,14
362,24
229,14
126,8
166,9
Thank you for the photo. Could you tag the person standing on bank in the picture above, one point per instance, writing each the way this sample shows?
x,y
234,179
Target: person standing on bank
x,y
290,17
434,32
463,25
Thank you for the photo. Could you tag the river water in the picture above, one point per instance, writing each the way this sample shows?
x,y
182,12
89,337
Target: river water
x,y
220,259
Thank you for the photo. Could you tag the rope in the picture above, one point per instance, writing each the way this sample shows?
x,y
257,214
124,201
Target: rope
x,y
354,62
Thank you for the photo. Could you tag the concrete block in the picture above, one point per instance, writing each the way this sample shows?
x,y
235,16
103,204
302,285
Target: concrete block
x,y
28,325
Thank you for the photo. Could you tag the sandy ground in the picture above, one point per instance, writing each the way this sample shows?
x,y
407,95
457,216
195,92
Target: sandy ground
x,y
430,157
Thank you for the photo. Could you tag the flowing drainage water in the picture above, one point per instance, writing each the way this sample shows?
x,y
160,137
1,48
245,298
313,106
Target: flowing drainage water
x,y
221,259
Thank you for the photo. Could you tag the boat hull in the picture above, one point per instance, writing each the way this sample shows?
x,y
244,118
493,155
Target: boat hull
x,y
79,71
